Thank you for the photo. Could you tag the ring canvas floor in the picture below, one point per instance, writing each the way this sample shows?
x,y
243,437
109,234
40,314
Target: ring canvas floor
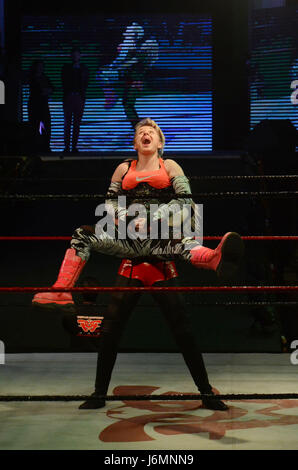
x,y
148,425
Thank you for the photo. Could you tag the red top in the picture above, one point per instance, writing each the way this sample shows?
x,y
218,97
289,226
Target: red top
x,y
158,179
147,273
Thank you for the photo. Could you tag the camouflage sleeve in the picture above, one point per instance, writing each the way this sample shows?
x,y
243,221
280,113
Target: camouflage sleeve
x,y
112,201
179,205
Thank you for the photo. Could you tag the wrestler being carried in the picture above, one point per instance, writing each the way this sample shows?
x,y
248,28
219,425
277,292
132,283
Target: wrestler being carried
x,y
145,181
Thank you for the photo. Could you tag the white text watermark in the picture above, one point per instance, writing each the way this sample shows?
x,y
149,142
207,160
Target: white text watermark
x,y
2,352
294,95
2,92
156,221
294,354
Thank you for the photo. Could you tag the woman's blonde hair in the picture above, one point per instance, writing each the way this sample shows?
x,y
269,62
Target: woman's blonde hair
x,y
150,122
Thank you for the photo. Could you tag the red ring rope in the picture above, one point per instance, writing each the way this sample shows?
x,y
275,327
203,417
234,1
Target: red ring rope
x,y
217,237
241,289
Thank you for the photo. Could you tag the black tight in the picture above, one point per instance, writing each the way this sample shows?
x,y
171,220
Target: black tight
x,y
116,317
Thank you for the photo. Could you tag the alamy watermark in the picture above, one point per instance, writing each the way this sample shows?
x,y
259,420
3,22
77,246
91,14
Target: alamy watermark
x,y
2,352
2,92
294,95
294,354
156,222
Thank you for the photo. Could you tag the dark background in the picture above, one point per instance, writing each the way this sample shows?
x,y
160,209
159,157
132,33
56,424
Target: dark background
x,y
219,328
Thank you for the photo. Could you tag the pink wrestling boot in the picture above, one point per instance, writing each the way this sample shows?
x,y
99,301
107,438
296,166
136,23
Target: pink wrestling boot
x,y
224,259
70,270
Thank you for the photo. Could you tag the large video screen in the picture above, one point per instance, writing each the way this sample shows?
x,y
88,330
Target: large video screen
x,y
274,65
137,66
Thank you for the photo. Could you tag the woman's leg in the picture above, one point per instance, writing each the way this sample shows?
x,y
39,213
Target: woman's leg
x,y
116,317
84,240
224,259
174,311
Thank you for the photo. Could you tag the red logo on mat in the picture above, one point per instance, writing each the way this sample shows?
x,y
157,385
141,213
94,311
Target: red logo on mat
x,y
90,326
181,417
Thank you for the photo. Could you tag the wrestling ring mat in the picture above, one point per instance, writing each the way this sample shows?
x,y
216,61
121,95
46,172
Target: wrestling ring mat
x,y
151,404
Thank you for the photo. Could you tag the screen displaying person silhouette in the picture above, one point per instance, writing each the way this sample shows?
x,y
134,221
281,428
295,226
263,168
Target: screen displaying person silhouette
x,y
139,65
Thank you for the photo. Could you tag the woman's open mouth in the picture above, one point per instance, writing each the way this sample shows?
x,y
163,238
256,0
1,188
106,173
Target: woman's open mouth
x,y
146,141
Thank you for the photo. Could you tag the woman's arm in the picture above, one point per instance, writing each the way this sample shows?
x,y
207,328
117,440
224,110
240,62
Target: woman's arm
x,y
180,182
173,169
119,172
115,190
182,190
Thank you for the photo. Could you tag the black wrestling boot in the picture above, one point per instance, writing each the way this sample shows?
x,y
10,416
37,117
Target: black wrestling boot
x,y
213,403
94,402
